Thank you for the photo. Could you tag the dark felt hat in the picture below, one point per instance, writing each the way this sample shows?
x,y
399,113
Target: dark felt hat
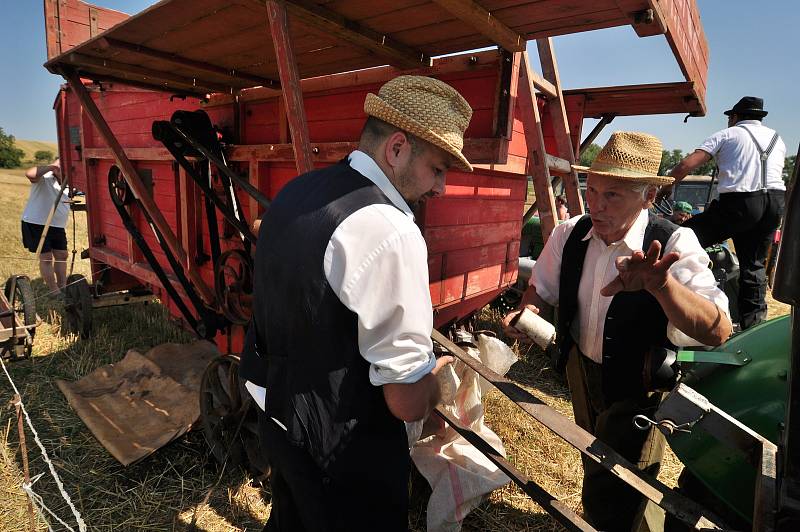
x,y
749,105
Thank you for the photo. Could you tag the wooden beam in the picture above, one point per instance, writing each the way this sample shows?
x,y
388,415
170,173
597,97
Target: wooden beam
x,y
290,81
332,23
137,186
123,70
537,161
482,20
558,116
175,59
543,86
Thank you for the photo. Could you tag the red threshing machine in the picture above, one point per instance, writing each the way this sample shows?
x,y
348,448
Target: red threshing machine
x,y
182,122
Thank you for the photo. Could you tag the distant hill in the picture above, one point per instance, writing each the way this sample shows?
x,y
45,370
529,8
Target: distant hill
x,y
32,146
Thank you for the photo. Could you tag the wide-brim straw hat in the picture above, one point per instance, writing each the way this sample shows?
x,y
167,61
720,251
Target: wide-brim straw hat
x,y
426,108
629,156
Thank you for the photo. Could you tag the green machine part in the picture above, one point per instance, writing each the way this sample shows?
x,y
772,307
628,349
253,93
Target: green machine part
x,y
755,393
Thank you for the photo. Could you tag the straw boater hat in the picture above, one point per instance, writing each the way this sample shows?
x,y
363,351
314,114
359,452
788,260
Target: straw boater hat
x,y
427,108
629,156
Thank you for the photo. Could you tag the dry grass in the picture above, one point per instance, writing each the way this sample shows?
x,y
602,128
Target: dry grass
x,y
180,487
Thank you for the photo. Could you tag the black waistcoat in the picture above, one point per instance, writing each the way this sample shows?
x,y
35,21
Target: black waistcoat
x,y
307,352
634,323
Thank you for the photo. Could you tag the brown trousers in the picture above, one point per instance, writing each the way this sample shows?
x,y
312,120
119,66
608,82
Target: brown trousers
x,y
608,503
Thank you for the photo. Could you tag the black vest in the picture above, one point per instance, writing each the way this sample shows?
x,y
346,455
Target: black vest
x,y
634,323
306,353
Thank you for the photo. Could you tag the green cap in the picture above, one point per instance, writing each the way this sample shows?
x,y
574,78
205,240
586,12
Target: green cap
x,y
682,206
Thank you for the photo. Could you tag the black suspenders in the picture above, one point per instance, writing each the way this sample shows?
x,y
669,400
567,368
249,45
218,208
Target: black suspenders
x,y
763,153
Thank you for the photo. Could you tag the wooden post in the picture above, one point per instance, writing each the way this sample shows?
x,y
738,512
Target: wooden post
x,y
558,114
137,186
537,160
290,82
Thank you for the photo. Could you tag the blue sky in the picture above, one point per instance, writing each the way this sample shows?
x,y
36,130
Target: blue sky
x,y
753,51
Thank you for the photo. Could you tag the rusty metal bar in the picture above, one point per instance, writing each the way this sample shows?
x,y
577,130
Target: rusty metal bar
x,y
560,511
137,186
684,509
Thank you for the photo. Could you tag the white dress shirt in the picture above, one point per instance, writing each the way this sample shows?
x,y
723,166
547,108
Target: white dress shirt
x,y
599,269
739,161
376,263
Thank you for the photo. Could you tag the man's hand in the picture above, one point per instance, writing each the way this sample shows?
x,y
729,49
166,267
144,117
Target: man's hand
x,y
441,362
512,332
641,271
665,192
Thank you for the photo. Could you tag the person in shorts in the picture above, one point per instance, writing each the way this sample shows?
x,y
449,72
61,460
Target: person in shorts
x,y
45,188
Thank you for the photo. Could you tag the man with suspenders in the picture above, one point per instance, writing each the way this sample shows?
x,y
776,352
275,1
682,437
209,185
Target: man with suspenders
x,y
750,157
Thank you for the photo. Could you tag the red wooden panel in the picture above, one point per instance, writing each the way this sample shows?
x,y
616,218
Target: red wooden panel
x,y
435,276
465,260
452,288
483,279
449,238
455,211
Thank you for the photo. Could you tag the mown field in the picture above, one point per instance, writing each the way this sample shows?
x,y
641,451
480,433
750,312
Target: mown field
x,y
180,487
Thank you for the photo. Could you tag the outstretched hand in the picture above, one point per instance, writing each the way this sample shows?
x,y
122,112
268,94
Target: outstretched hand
x,y
641,271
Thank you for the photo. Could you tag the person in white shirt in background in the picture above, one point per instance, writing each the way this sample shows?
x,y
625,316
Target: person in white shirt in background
x,y
624,282
750,157
45,188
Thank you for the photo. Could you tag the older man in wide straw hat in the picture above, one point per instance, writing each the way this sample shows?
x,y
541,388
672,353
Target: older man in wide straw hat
x,y
624,282
339,352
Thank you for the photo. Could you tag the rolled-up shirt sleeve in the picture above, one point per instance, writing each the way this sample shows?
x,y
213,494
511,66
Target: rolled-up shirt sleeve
x,y
692,270
376,263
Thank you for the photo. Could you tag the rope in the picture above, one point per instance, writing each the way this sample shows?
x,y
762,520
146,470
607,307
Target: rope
x,y
43,451
39,504
12,257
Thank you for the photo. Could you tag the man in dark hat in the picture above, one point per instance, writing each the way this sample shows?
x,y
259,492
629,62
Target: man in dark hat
x,y
750,158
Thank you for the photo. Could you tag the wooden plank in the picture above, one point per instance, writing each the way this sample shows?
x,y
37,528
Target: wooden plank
x,y
290,81
482,20
558,116
109,42
142,74
330,22
137,186
537,163
473,62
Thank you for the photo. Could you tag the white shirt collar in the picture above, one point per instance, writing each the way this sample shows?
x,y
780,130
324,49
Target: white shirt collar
x,y
634,238
748,122
366,166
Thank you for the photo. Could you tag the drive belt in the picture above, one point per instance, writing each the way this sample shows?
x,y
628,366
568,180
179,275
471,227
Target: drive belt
x,y
207,322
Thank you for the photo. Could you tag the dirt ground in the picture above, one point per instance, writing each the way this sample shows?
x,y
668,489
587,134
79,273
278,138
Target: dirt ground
x,y
181,487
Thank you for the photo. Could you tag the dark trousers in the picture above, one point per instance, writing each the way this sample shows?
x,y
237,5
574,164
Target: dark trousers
x,y
750,219
306,499
608,503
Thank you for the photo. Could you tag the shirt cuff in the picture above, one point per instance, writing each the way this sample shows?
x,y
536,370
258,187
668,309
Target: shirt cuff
x,y
380,375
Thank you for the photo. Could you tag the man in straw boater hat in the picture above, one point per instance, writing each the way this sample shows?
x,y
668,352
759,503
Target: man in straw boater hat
x,y
624,281
750,157
340,352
